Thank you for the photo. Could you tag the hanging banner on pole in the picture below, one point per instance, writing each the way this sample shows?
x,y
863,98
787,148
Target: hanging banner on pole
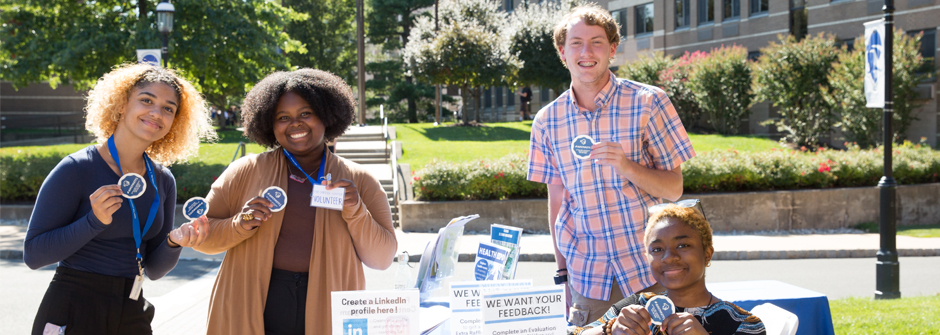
x,y
149,56
875,64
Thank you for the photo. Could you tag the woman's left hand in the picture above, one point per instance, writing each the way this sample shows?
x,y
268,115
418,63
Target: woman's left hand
x,y
190,234
352,195
683,324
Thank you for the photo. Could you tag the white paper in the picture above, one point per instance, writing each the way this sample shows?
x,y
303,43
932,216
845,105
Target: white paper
x,y
466,302
387,312
330,199
533,311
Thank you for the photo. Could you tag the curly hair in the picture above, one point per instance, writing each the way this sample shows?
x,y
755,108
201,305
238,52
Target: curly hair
x,y
592,15
107,100
329,96
688,215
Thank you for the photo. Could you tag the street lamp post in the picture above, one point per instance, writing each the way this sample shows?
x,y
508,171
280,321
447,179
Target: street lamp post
x,y
887,281
165,12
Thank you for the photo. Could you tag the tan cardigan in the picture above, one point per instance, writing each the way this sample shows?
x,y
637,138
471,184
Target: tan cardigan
x,y
343,242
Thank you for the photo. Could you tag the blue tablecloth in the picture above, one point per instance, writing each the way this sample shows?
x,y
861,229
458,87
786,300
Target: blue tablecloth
x,y
812,308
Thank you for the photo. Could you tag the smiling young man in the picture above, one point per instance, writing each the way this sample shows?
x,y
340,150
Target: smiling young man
x,y
608,148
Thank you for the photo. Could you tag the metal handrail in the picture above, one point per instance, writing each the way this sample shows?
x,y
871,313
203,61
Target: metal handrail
x,y
241,146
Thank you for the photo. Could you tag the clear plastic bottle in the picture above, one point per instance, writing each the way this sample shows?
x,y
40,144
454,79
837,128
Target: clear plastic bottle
x,y
403,273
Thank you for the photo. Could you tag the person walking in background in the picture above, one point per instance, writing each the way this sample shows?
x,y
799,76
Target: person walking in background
x,y
525,96
608,148
281,264
104,244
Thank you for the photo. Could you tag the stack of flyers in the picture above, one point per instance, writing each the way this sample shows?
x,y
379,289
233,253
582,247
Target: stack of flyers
x,y
490,262
440,256
508,237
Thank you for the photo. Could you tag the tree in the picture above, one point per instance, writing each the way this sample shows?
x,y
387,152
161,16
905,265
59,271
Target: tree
x,y
330,36
390,23
721,83
223,47
531,32
792,75
861,124
470,50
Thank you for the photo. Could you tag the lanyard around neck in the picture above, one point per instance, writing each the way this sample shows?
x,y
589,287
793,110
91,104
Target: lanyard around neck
x,y
156,199
291,158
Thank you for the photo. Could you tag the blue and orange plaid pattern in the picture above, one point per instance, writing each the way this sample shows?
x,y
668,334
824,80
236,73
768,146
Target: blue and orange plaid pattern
x,y
601,221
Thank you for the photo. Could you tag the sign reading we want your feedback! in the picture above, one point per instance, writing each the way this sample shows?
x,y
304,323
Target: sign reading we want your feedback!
x,y
389,312
533,311
467,306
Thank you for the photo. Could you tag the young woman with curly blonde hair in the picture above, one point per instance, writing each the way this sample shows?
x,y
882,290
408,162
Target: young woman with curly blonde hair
x,y
145,118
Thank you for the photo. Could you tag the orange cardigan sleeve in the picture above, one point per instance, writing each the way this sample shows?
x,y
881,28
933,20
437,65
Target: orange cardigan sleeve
x,y
370,223
224,206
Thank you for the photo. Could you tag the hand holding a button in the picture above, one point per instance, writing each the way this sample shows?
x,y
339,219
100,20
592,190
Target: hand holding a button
x,y
633,320
105,201
611,154
255,211
682,324
191,234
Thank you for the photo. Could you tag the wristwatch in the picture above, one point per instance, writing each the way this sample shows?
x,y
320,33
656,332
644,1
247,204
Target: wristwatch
x,y
559,279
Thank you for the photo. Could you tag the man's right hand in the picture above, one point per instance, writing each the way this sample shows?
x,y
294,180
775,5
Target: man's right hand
x,y
105,201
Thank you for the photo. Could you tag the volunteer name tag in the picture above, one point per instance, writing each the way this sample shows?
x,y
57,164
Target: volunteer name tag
x,y
132,185
329,199
195,207
659,308
581,146
276,196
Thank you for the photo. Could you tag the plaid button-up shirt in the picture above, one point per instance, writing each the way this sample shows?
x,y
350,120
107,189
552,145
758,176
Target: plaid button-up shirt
x,y
600,224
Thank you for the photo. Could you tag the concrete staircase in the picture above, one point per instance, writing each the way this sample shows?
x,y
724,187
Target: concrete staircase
x,y
368,147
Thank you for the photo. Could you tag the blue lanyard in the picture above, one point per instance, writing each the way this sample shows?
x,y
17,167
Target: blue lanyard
x,y
156,199
319,173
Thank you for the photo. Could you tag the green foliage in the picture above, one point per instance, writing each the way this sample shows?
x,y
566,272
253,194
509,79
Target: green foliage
x,y
675,81
909,315
792,75
22,173
647,69
470,50
498,179
733,171
932,230
532,28
330,38
721,83
861,124
223,47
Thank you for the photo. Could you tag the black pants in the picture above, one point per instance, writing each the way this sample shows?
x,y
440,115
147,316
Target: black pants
x,y
91,303
284,311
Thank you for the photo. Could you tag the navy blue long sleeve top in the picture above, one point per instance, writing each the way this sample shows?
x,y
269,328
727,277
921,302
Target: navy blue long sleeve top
x,y
64,229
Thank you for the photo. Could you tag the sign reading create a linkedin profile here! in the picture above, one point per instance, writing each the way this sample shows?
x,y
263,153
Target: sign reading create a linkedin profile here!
x,y
388,312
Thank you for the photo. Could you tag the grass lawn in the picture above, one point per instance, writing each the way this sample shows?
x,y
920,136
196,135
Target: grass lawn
x,y
913,231
422,142
912,315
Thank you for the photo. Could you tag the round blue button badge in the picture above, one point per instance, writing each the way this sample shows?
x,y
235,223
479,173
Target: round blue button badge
x,y
132,185
195,207
581,146
659,308
276,196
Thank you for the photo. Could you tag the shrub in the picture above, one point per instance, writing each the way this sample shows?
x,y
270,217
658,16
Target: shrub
x,y
721,82
646,69
503,178
22,174
675,82
861,124
792,75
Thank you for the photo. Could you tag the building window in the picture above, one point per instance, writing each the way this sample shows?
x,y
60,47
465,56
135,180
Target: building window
x,y
753,55
543,94
849,44
620,16
644,18
706,11
759,6
682,13
499,97
928,49
509,6
732,9
798,19
488,97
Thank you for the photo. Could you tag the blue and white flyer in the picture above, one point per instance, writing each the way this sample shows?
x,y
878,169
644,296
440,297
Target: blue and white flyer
x,y
466,302
507,236
532,311
386,312
490,262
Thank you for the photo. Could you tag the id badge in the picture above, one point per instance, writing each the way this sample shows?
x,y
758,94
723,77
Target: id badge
x,y
52,329
135,290
329,199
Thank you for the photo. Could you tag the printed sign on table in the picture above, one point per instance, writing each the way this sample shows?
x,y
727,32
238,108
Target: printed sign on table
x,y
466,302
533,311
388,312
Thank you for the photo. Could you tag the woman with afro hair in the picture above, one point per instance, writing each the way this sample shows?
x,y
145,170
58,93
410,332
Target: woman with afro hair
x,y
280,266
143,116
